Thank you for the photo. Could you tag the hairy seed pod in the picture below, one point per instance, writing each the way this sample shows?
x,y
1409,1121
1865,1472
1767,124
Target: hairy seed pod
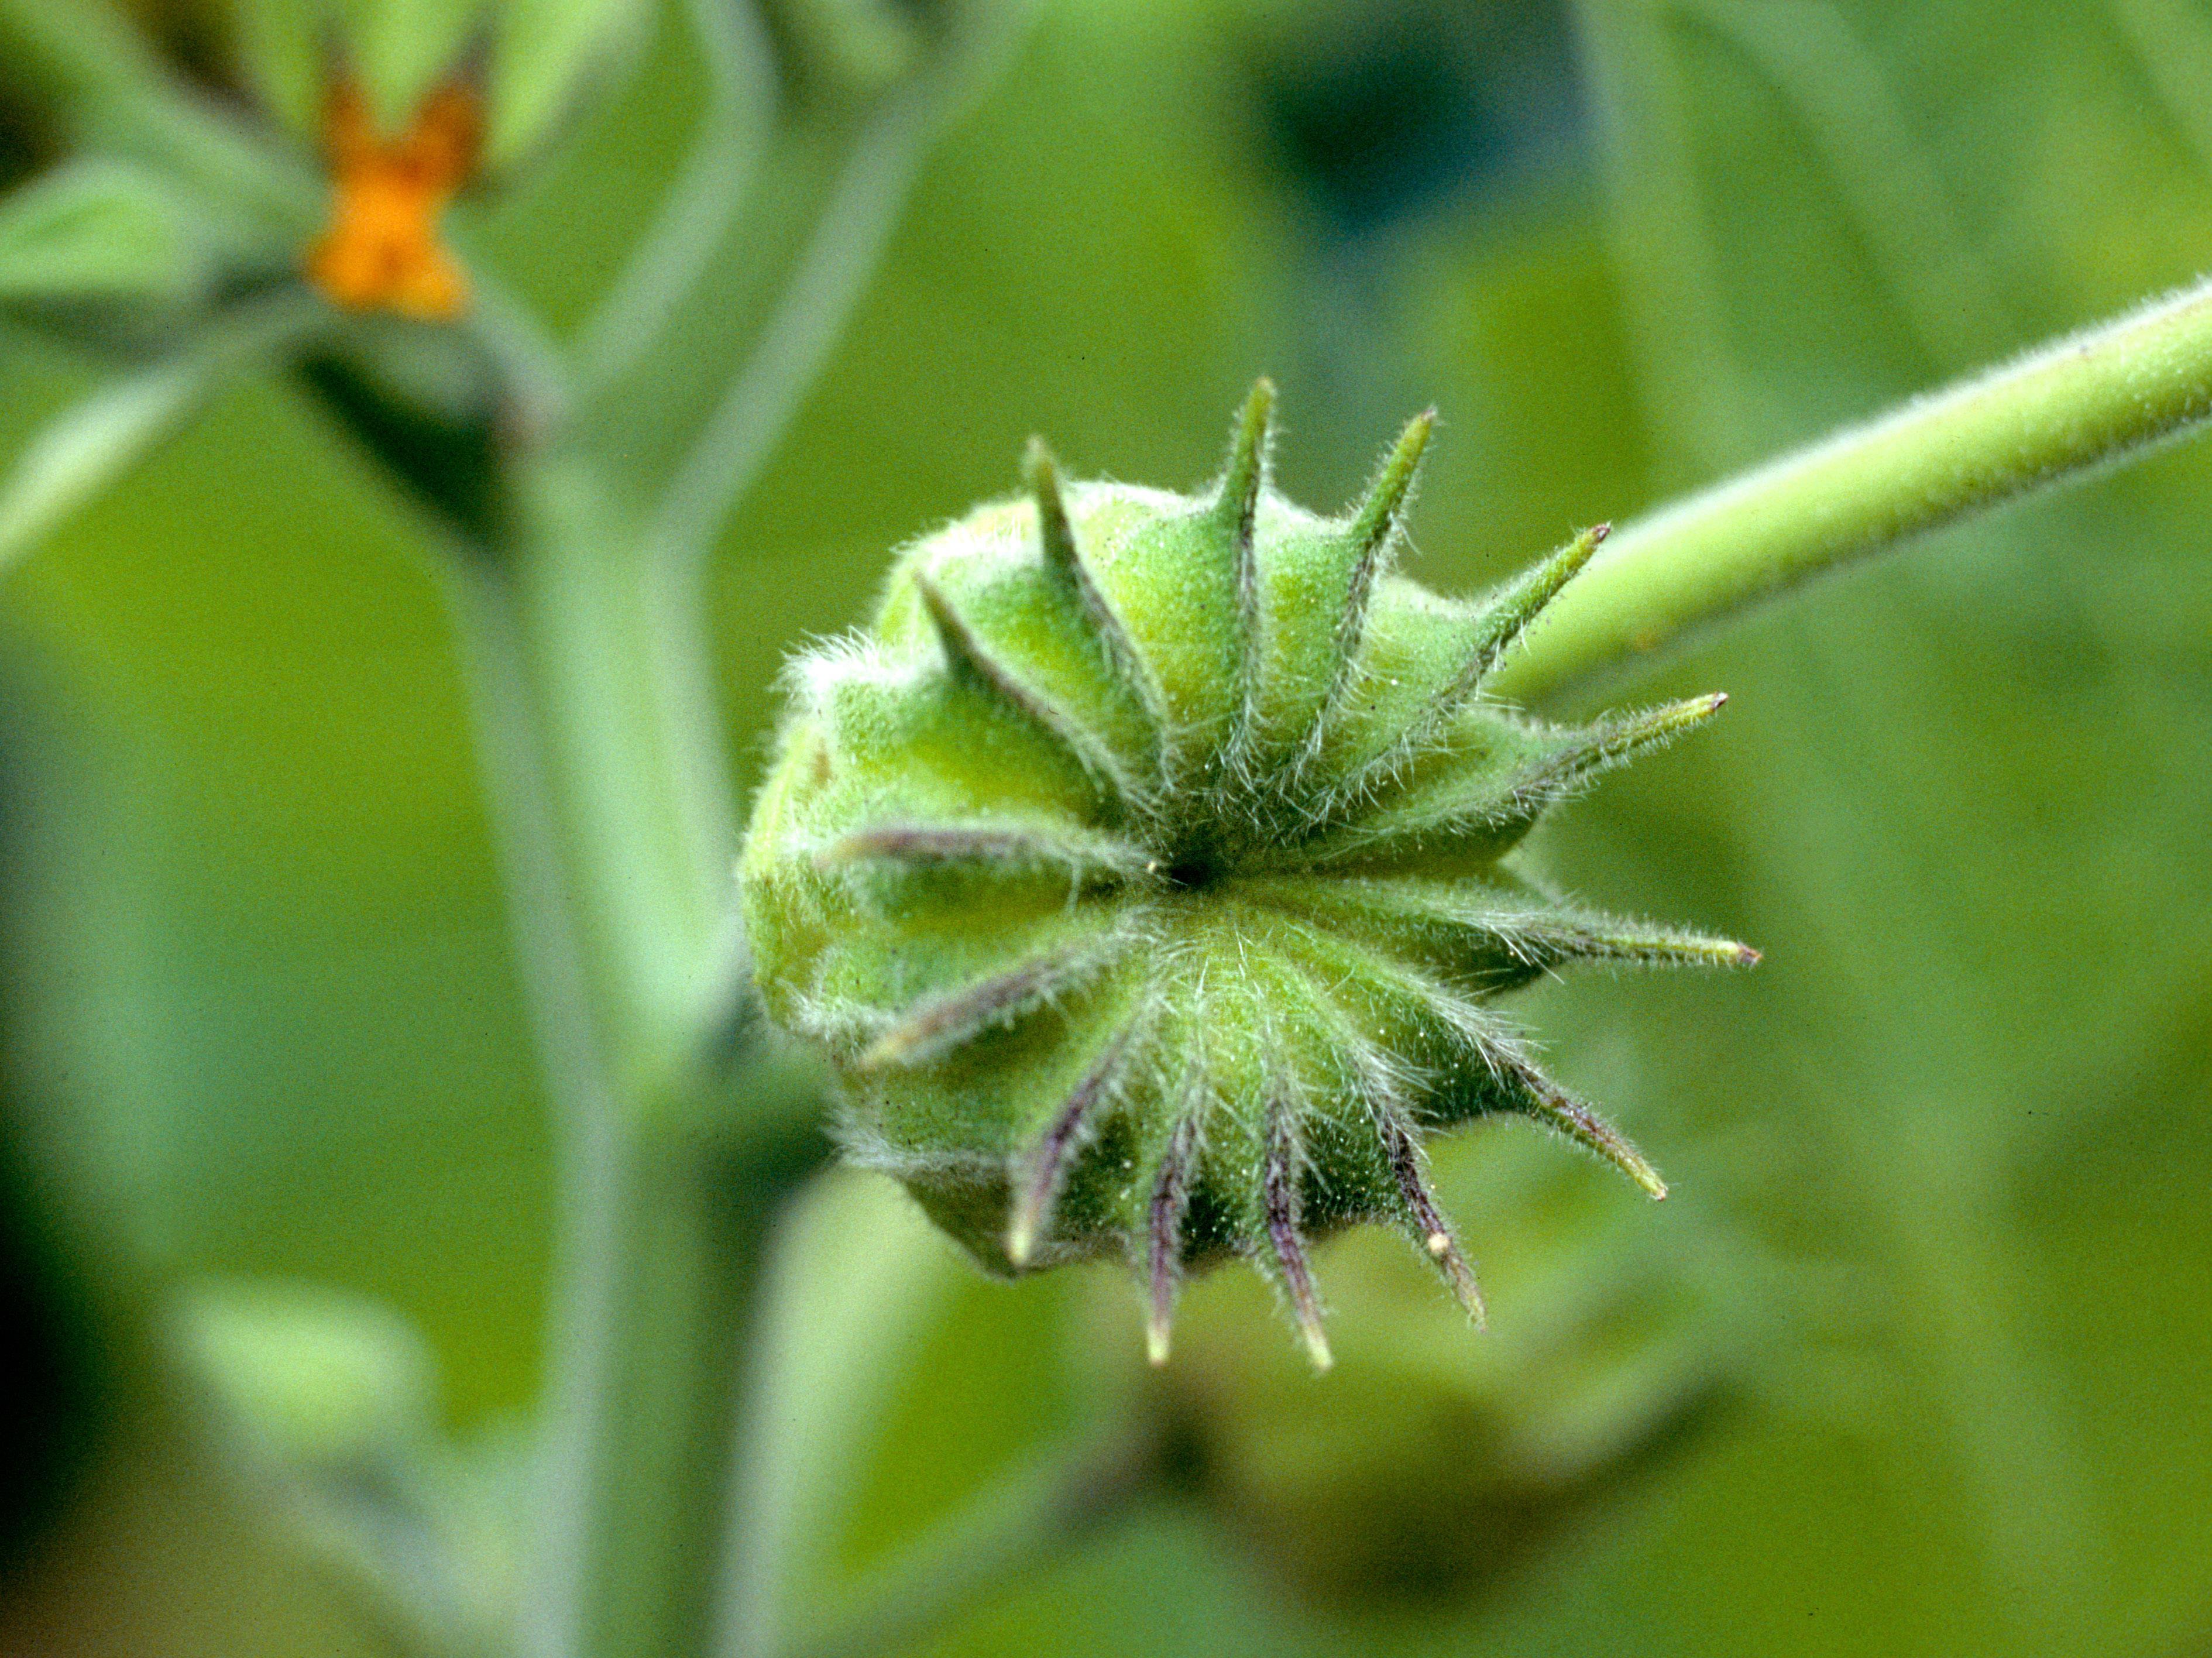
x,y
1143,870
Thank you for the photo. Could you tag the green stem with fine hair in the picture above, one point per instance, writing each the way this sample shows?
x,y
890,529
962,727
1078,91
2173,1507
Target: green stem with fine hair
x,y
588,632
2063,411
601,748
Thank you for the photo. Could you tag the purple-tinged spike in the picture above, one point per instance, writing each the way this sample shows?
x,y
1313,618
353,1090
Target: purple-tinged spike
x,y
1164,1217
1495,630
1599,747
965,653
1370,536
1235,508
1042,473
1436,1239
942,1023
1064,558
1548,1102
1045,1169
1631,944
925,844
1485,805
1279,1197
903,843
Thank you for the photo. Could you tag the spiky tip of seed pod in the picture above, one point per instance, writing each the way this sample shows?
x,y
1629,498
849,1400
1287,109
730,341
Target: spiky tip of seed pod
x,y
1143,870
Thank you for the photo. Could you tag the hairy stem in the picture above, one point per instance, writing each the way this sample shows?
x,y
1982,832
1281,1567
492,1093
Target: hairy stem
x,y
602,753
633,772
2064,410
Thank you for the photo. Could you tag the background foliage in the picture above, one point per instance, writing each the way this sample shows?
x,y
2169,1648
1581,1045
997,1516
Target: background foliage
x,y
1951,1137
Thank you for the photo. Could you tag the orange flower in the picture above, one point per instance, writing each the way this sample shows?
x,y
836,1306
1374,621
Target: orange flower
x,y
383,251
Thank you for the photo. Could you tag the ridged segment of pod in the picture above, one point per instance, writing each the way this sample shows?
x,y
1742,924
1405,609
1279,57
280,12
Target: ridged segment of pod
x,y
1142,869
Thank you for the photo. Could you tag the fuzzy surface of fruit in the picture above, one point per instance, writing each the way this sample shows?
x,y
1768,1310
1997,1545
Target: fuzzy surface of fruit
x,y
1143,870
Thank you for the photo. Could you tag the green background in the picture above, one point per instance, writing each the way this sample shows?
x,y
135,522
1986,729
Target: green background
x,y
1951,1138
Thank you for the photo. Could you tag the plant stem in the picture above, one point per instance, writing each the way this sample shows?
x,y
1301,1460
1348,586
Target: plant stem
x,y
603,742
632,764
602,753
2063,411
830,270
734,133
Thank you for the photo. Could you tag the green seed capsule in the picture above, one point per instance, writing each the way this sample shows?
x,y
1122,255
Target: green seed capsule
x,y
1142,871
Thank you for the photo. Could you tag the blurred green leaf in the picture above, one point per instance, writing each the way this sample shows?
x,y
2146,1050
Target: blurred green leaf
x,y
859,1279
1977,938
1440,1456
283,49
545,56
88,448
401,50
331,1379
542,56
101,231
541,51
